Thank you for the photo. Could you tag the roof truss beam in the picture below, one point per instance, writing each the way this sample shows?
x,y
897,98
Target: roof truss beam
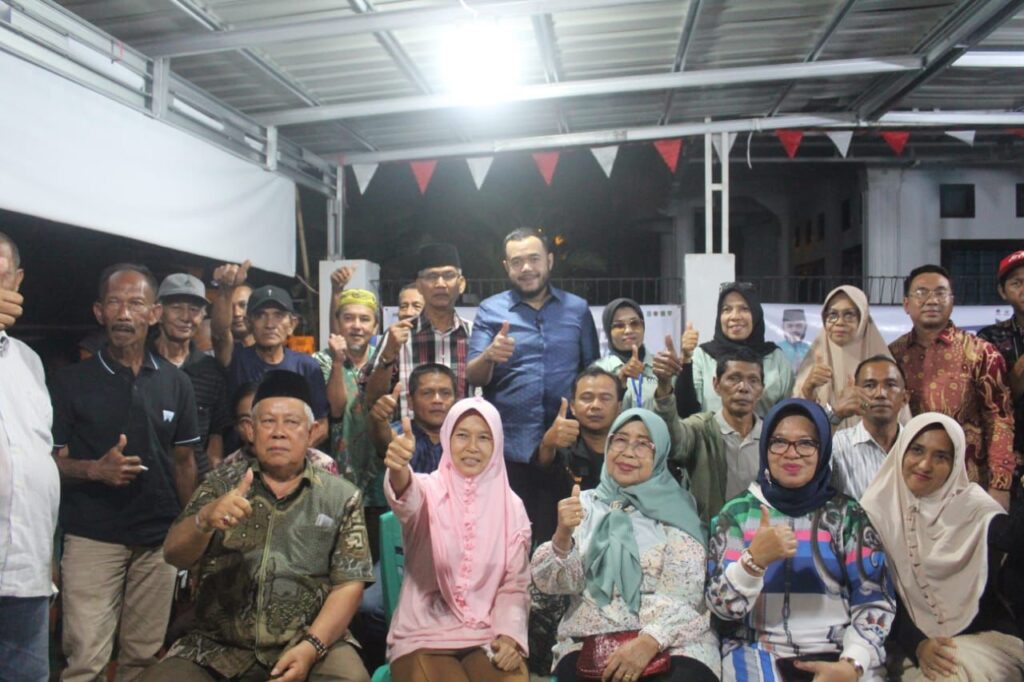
x,y
602,86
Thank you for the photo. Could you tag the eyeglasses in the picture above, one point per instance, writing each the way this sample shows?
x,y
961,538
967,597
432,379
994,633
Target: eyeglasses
x,y
635,323
849,316
448,276
738,286
922,295
641,448
805,447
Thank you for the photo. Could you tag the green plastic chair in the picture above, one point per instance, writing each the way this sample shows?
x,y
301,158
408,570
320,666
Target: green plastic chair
x,y
392,562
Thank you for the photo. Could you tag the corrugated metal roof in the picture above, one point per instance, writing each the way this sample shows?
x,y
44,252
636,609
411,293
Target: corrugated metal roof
x,y
604,42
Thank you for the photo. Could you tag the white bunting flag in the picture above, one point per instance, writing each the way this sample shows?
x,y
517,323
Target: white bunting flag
x,y
478,168
962,135
841,139
606,158
364,173
716,141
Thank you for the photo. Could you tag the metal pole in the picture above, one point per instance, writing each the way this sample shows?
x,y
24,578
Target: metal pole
x,y
724,146
709,205
339,224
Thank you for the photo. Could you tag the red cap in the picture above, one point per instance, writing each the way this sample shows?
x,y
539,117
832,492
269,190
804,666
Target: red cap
x,y
1012,261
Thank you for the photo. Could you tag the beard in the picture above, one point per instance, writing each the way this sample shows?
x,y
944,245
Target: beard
x,y
537,287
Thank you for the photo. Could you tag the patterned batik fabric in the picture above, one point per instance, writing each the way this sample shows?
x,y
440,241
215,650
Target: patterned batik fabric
x,y
263,582
1008,338
964,377
833,597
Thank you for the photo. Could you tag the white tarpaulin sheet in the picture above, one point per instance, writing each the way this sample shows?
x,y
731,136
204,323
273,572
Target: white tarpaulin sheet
x,y
74,156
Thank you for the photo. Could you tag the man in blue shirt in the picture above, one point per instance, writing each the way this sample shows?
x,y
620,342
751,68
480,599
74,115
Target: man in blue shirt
x,y
527,346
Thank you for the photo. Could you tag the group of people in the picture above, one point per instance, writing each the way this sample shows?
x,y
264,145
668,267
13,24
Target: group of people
x,y
690,512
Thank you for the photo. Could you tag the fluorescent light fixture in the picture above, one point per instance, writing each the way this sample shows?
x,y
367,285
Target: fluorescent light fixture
x,y
979,59
480,61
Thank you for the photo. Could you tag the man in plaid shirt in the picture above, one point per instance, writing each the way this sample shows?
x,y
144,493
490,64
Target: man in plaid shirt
x,y
438,335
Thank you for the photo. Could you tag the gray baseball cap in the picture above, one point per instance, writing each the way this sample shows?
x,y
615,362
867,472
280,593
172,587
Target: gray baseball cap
x,y
184,285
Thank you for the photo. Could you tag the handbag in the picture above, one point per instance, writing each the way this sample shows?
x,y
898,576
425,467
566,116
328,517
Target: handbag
x,y
597,649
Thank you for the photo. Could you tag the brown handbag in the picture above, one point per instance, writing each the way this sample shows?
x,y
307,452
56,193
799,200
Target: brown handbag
x,y
597,649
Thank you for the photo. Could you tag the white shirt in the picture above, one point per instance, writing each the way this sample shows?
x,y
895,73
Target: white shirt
x,y
856,458
29,482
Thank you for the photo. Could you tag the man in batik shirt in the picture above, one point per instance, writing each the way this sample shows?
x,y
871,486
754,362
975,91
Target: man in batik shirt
x,y
282,554
951,371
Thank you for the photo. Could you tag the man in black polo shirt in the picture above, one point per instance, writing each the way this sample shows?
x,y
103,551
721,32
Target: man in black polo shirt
x,y
124,429
182,300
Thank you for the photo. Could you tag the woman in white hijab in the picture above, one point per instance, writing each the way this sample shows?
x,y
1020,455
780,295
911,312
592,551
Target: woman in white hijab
x,y
943,535
848,336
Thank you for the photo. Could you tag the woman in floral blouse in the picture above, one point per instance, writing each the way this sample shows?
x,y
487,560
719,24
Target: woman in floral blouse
x,y
631,555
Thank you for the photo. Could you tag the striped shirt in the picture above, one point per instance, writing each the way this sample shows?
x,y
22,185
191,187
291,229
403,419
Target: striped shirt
x,y
856,458
426,345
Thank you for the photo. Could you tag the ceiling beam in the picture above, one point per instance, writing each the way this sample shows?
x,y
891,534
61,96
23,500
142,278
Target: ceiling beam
x,y
600,86
547,42
626,135
679,63
817,49
390,44
372,22
959,31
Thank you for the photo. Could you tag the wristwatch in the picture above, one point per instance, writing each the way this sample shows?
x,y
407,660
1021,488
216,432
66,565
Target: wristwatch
x,y
856,666
833,418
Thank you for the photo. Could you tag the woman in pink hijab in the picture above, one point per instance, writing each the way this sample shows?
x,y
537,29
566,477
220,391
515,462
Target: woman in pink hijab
x,y
463,609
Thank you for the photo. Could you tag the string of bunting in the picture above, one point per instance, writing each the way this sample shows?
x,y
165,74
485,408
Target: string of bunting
x,y
669,150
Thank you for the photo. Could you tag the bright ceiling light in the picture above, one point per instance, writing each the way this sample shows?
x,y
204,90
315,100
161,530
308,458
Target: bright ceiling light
x,y
982,59
480,62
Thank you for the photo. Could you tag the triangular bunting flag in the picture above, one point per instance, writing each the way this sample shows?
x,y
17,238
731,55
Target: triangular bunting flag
x,y
1019,132
715,141
841,139
478,168
896,139
605,158
790,140
966,136
364,172
669,151
423,171
546,164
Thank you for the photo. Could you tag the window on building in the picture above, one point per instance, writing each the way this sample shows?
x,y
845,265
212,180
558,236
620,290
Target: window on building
x,y
821,227
1020,199
956,201
973,264
807,232
853,262
845,215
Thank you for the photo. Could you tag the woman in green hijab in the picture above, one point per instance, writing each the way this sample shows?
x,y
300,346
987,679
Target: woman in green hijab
x,y
632,556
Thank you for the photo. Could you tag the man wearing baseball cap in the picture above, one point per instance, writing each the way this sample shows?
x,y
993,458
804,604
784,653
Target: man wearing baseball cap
x,y
182,298
1008,338
271,316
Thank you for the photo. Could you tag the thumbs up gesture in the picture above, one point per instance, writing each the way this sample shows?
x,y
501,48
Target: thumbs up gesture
x,y
231,508
564,431
384,409
689,343
230,275
666,363
398,457
502,347
632,369
115,468
338,346
772,543
570,515
820,375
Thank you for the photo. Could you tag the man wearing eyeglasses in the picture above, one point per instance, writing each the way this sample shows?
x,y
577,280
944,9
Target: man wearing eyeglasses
x,y
183,304
438,335
951,371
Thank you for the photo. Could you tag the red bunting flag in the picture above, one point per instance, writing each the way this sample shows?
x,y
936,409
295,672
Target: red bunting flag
x,y
669,151
1019,132
546,164
896,139
423,170
790,140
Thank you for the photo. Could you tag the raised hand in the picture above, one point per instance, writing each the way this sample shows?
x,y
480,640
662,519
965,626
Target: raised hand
x,y
502,347
10,307
386,405
341,277
398,334
820,375
570,515
398,457
338,346
230,275
666,363
115,468
772,543
691,337
231,508
853,401
564,431
632,369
